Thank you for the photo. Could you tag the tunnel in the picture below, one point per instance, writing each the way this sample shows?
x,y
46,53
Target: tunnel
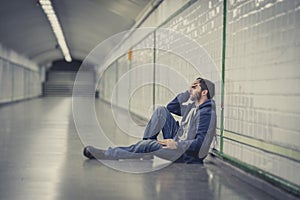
x,y
81,75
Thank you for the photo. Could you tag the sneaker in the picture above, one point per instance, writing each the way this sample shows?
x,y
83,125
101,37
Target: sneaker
x,y
86,152
93,153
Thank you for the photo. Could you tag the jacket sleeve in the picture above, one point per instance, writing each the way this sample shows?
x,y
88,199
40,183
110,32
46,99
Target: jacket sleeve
x,y
175,106
193,146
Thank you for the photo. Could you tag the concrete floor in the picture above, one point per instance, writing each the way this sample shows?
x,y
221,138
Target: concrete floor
x,y
41,158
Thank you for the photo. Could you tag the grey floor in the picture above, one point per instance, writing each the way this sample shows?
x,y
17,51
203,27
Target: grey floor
x,y
41,158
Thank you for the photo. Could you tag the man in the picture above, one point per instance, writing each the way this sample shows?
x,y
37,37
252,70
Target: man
x,y
186,142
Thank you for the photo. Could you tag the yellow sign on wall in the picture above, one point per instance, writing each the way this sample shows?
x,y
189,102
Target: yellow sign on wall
x,y
129,54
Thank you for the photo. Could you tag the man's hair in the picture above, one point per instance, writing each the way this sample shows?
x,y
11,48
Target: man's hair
x,y
206,84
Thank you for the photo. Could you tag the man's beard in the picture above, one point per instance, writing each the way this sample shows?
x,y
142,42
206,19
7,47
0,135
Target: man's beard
x,y
196,97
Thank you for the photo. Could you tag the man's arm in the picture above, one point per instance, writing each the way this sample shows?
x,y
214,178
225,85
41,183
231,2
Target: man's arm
x,y
175,106
195,144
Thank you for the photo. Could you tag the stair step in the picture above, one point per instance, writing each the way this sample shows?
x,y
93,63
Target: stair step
x,y
62,83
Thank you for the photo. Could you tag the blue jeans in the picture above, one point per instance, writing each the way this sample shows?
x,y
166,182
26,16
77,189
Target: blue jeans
x,y
160,120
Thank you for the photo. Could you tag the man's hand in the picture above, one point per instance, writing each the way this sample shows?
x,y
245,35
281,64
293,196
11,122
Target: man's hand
x,y
168,143
193,86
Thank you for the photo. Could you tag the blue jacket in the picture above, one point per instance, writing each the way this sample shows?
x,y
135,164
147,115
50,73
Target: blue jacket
x,y
201,128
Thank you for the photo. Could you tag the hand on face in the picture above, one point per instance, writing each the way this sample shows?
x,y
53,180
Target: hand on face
x,y
193,86
195,91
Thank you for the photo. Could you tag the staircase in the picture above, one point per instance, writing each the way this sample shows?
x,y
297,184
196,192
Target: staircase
x,y
60,83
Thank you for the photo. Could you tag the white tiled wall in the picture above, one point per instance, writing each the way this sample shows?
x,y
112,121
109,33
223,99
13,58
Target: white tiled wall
x,y
262,81
19,77
277,165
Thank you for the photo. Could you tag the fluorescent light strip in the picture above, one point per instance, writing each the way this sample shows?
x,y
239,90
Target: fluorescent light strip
x,y
56,28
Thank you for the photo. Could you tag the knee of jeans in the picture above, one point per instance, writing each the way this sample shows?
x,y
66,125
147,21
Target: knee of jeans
x,y
161,110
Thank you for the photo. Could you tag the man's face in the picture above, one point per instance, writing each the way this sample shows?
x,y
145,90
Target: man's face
x,y
195,91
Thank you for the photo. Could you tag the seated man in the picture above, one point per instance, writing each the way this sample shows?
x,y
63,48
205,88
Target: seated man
x,y
186,142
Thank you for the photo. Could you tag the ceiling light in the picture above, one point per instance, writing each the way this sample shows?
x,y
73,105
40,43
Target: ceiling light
x,y
56,28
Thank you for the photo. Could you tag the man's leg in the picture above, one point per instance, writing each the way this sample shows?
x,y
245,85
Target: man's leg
x,y
161,119
137,150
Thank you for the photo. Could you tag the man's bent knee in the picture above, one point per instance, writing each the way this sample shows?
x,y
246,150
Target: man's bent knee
x,y
161,110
